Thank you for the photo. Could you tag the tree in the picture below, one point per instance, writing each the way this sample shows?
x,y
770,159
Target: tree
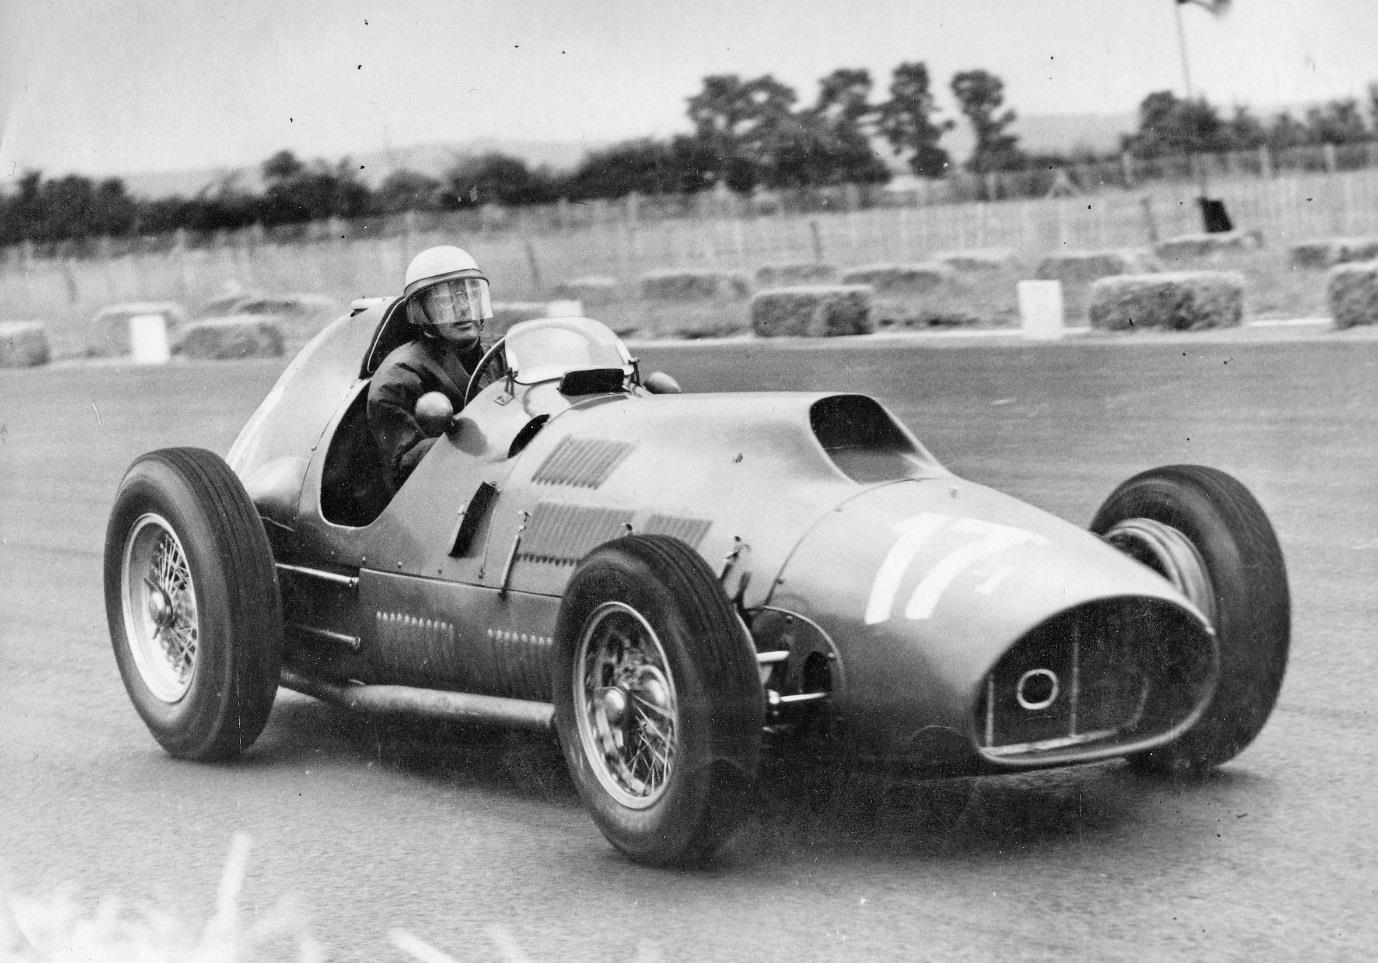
x,y
644,165
737,122
1336,122
296,193
407,190
1244,131
1171,125
980,95
907,121
1286,131
496,178
837,148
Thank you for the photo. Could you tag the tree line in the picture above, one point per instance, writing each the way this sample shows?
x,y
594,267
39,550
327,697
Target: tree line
x,y
745,133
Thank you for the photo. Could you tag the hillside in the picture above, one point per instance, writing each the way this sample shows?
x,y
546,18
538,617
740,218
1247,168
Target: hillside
x,y
1038,133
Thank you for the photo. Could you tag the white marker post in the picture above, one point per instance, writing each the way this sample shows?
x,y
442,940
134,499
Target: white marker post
x,y
148,343
1040,310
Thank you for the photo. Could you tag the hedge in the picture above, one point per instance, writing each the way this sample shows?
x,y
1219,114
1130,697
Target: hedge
x,y
978,260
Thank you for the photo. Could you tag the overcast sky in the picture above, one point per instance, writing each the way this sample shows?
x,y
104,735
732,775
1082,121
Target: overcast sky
x,y
121,86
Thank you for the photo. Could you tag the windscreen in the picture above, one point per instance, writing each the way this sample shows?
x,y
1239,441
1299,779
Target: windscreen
x,y
547,349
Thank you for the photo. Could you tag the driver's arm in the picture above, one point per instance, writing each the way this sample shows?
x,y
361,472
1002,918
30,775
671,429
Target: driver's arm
x,y
391,417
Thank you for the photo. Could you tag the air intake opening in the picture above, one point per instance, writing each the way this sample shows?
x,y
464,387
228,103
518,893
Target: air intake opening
x,y
862,439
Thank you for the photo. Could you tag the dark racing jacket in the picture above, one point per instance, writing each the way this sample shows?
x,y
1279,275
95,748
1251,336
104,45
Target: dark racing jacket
x,y
426,364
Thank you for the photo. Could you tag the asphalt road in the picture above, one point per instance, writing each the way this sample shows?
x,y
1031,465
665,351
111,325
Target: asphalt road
x,y
478,845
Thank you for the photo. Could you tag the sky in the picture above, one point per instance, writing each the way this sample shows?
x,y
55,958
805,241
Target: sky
x,y
112,87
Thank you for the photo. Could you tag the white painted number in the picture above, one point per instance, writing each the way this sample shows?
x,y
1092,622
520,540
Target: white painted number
x,y
988,539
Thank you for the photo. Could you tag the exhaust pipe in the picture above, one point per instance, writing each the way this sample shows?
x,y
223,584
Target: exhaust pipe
x,y
431,703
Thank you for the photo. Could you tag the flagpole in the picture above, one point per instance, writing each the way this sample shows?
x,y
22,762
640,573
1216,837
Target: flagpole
x,y
1186,82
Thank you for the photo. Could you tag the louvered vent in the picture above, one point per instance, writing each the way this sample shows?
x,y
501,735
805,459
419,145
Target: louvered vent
x,y
582,462
688,530
564,534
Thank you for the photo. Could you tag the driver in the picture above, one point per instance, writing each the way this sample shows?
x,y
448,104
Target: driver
x,y
446,300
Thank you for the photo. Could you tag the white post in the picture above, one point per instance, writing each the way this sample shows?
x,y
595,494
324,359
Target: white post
x,y
148,343
1040,310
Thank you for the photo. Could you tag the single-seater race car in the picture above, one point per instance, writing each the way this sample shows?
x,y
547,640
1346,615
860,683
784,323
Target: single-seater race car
x,y
673,581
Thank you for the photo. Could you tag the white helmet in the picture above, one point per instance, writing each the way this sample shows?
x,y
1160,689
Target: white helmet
x,y
447,294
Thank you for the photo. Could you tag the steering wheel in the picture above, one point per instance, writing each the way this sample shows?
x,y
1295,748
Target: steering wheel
x,y
490,357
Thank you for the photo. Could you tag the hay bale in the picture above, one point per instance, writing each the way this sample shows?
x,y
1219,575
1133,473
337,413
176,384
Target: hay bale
x,y
1188,247
979,260
901,279
508,313
232,338
1083,267
23,344
794,273
109,331
1352,293
694,285
816,311
1328,251
590,290
1177,300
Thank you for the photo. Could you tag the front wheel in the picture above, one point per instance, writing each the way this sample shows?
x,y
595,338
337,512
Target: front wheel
x,y
658,700
191,596
1203,531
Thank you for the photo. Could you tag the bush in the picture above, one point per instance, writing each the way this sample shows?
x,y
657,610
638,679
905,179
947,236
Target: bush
x,y
794,273
232,338
1352,293
1179,301
23,344
1188,247
1083,267
978,260
820,311
694,285
901,279
109,334
1329,251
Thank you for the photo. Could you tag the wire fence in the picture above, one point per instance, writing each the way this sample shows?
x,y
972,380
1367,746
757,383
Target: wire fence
x,y
528,253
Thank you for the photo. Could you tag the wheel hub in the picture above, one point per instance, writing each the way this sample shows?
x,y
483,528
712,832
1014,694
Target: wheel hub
x,y
627,713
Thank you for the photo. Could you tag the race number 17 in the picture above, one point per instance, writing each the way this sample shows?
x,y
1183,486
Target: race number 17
x,y
987,539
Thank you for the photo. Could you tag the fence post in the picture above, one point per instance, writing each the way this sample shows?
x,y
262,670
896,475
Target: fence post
x,y
817,240
1265,161
1330,159
1127,168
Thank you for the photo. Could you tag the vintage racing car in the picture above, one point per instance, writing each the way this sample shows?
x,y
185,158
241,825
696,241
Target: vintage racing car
x,y
673,581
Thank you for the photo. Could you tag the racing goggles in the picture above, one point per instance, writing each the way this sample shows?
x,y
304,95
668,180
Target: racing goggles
x,y
456,301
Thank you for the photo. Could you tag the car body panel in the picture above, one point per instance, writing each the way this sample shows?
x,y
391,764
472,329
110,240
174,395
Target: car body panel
x,y
905,585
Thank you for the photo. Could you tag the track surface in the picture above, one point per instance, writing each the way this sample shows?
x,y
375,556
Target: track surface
x,y
478,844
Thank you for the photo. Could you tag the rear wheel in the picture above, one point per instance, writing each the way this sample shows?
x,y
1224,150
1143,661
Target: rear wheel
x,y
192,601
1203,531
658,700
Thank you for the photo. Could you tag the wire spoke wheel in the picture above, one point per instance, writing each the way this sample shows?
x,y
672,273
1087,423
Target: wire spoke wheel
x,y
658,700
628,718
192,602
159,604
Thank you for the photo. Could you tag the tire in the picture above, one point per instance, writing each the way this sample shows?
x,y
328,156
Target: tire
x,y
658,700
1203,530
187,561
